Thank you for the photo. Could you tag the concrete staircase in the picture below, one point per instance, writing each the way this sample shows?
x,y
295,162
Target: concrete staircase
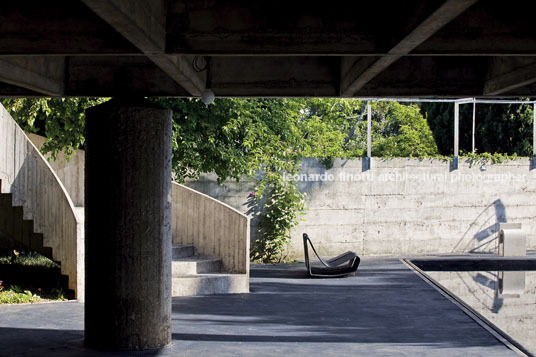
x,y
17,232
192,275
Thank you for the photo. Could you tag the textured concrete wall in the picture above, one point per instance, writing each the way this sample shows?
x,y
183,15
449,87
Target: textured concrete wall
x,y
71,173
25,173
235,232
375,215
215,229
376,212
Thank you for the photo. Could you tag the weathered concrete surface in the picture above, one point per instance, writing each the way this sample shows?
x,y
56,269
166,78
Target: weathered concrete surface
x,y
128,226
217,230
193,275
70,173
385,310
402,206
450,48
34,186
214,228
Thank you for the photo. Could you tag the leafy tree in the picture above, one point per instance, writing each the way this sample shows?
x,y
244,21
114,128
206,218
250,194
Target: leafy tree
x,y
60,120
236,137
500,128
401,131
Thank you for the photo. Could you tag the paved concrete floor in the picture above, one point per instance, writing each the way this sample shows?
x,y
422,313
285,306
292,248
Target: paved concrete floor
x,y
385,310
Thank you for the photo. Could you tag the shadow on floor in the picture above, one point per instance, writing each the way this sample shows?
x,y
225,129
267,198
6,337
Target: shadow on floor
x,y
385,309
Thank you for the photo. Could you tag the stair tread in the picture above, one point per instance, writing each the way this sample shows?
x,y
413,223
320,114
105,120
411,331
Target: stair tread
x,y
208,275
194,260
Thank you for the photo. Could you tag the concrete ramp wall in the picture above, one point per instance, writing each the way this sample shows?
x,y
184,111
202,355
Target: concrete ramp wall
x,y
26,174
215,229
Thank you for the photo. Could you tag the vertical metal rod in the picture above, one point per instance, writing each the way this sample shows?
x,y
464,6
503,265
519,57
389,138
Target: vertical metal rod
x,y
534,129
369,131
474,125
456,130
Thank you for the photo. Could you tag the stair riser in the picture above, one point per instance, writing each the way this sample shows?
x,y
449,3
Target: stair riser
x,y
184,251
6,221
191,286
195,267
27,230
17,224
17,231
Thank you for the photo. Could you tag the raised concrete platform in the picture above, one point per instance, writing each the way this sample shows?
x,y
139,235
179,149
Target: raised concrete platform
x,y
192,275
386,309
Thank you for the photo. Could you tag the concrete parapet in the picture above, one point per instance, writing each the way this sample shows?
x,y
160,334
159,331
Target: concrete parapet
x,y
27,175
215,229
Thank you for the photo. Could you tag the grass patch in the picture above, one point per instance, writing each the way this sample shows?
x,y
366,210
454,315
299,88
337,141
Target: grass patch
x,y
27,258
14,294
29,277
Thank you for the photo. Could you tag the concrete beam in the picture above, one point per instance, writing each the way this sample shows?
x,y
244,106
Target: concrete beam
x,y
45,75
143,23
275,76
489,28
33,27
119,76
435,77
356,78
507,74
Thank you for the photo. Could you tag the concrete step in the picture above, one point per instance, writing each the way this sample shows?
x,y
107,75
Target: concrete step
x,y
27,231
6,200
207,284
190,266
182,251
17,222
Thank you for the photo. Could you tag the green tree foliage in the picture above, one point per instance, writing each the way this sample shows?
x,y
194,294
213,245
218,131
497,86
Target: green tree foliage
x,y
500,128
401,131
60,120
243,137
233,137
338,128
237,137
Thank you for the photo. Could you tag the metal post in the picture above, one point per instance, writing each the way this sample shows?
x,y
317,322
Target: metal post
x,y
369,131
534,129
474,125
456,134
368,159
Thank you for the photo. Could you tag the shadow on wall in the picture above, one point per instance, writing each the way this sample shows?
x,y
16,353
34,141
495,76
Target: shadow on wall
x,y
486,225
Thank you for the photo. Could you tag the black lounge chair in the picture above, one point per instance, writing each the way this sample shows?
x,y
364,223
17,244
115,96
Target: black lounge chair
x,y
333,267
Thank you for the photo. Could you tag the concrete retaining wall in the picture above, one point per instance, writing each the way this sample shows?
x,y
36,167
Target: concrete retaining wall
x,y
215,229
26,174
376,212
402,206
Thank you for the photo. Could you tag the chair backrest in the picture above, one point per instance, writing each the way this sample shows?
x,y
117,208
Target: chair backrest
x,y
306,251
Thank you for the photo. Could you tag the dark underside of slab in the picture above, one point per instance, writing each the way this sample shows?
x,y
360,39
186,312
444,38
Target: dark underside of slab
x,y
416,48
386,309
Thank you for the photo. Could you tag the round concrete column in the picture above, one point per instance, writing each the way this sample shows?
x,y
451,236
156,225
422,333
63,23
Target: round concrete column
x,y
128,226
